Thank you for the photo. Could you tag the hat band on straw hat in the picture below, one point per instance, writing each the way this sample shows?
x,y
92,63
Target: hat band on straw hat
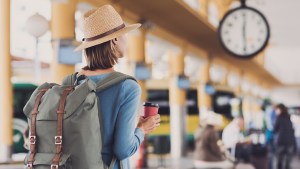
x,y
104,34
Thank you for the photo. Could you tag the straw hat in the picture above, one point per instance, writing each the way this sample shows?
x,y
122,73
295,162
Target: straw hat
x,y
101,25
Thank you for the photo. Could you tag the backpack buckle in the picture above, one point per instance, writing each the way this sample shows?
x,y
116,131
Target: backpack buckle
x,y
53,166
32,139
29,165
58,139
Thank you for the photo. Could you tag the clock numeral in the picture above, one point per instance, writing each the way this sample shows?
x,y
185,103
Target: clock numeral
x,y
229,24
235,17
258,22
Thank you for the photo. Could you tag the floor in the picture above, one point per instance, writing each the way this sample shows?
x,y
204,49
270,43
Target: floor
x,y
155,163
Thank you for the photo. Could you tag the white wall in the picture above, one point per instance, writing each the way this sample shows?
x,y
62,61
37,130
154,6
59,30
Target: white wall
x,y
287,95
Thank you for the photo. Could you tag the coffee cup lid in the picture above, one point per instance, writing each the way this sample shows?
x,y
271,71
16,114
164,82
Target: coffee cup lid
x,y
150,104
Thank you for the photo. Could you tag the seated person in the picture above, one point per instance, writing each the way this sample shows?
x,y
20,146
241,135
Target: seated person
x,y
238,145
232,133
208,153
235,142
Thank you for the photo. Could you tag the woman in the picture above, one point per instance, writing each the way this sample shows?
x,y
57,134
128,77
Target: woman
x,y
208,153
103,45
285,142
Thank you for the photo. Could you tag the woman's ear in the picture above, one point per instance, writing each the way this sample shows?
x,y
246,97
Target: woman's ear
x,y
114,41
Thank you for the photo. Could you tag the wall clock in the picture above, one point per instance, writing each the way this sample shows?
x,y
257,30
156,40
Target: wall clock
x,y
244,31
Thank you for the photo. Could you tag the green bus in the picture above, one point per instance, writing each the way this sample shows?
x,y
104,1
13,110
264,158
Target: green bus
x,y
22,93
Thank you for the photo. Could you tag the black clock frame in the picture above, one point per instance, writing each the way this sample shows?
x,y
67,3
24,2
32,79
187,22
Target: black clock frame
x,y
249,56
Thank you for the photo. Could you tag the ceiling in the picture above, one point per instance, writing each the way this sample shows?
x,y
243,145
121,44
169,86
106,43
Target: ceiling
x,y
193,28
290,96
283,54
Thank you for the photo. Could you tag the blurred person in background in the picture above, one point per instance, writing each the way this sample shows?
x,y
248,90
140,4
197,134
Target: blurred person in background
x,y
296,123
209,153
270,119
235,142
232,134
285,141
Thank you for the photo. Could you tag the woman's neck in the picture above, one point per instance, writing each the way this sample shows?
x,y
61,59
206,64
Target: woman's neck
x,y
95,72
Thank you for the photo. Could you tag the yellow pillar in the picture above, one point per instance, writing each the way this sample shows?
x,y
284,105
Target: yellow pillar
x,y
6,91
224,81
62,27
177,100
136,48
204,8
136,54
260,58
238,88
238,91
204,99
247,105
177,96
246,109
223,7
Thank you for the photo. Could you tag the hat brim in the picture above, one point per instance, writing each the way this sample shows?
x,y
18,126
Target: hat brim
x,y
116,34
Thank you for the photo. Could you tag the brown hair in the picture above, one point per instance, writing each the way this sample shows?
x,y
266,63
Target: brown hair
x,y
207,148
283,109
102,56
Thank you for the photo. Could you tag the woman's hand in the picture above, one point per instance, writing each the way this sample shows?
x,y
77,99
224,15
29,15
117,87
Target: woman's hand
x,y
149,124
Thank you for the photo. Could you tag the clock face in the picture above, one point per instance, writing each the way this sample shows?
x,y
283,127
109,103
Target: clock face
x,y
244,32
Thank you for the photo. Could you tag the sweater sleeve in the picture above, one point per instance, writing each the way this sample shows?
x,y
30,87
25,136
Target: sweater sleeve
x,y
276,126
128,138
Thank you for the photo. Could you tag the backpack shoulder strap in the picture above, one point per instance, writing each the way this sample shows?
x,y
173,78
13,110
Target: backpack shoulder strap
x,y
112,79
70,79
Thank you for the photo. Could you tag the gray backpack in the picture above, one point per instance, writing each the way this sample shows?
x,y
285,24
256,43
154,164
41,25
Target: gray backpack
x,y
65,124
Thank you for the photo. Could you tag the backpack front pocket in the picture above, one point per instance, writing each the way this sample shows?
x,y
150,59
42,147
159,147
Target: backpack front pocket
x,y
44,161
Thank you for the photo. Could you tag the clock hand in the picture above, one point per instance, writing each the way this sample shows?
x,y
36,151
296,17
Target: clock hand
x,y
244,32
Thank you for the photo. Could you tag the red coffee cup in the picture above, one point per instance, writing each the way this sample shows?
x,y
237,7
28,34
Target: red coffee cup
x,y
150,109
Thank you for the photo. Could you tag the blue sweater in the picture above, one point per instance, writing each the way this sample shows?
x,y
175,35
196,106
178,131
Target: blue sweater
x,y
119,105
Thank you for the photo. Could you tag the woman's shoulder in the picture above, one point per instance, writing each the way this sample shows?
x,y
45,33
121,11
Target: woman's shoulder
x,y
284,118
130,85
130,90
